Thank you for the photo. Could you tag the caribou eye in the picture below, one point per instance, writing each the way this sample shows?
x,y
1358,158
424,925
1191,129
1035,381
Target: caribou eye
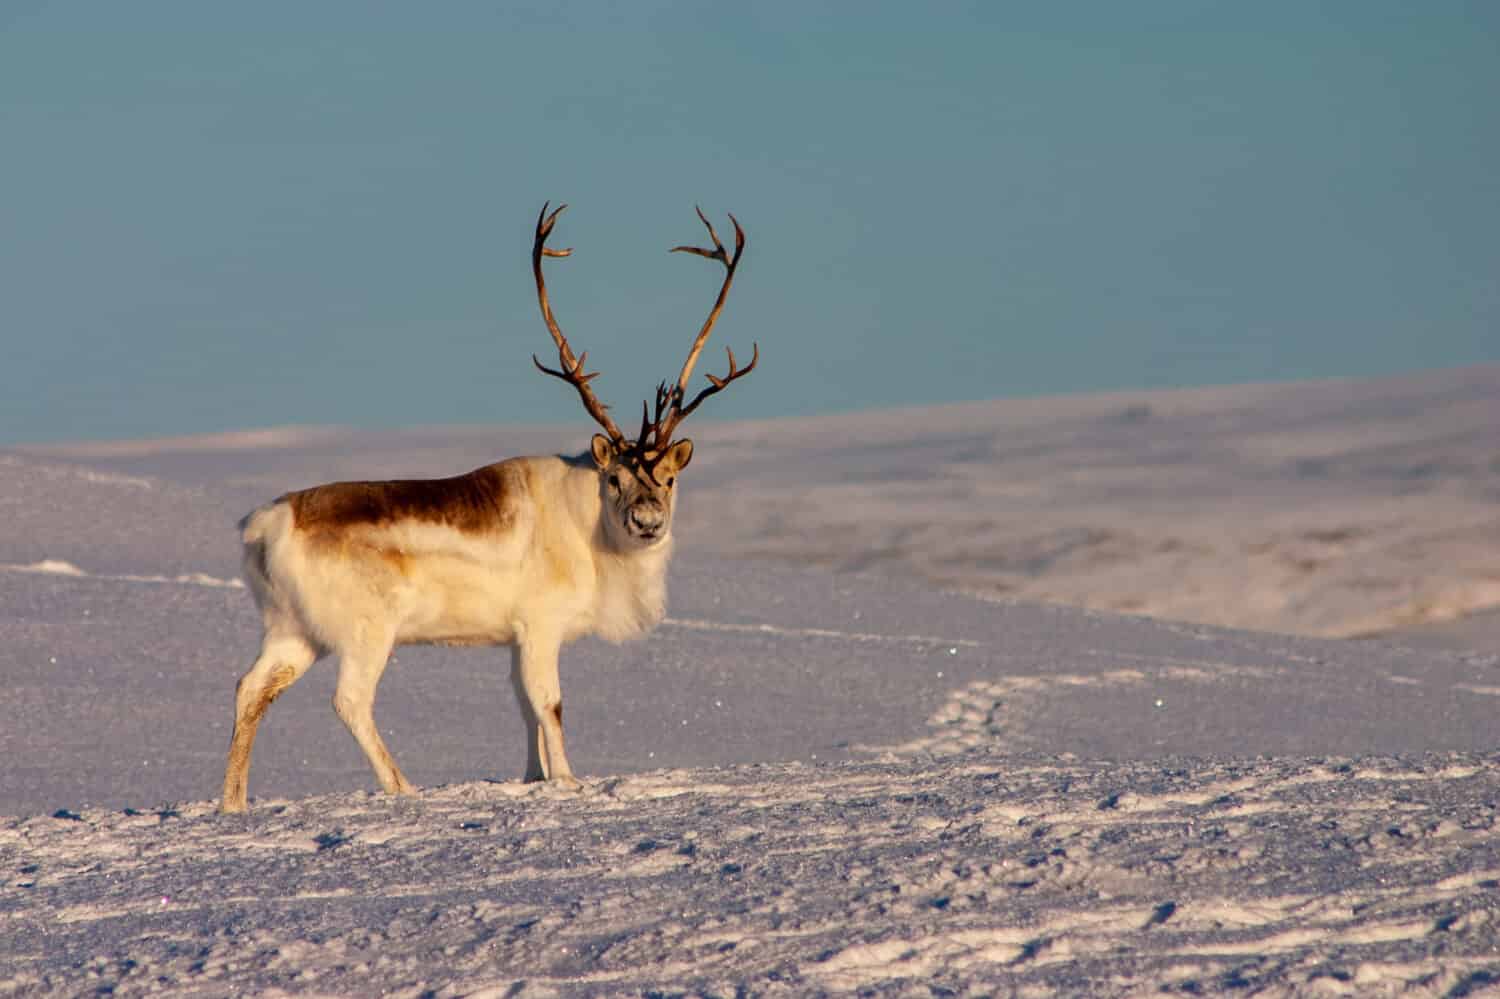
x,y
671,479
614,481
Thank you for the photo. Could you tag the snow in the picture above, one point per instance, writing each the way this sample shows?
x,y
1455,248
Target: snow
x,y
971,874
808,780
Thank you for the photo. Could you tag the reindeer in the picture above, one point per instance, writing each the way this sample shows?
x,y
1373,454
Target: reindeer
x,y
531,552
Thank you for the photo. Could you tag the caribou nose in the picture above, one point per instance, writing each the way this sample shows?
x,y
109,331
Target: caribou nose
x,y
647,519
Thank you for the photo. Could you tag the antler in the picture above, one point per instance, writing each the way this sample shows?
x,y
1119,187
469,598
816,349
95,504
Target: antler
x,y
572,367
669,408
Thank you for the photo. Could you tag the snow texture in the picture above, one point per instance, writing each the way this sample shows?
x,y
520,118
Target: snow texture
x,y
807,781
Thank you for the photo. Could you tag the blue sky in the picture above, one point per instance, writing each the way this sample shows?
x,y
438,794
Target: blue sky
x,y
219,216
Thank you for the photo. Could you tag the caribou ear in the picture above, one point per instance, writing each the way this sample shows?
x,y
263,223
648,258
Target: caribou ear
x,y
603,450
680,453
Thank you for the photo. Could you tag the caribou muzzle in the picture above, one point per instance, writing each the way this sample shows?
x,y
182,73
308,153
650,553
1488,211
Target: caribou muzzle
x,y
647,521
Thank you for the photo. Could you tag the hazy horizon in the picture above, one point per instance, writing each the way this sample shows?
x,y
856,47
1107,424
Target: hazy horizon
x,y
220,219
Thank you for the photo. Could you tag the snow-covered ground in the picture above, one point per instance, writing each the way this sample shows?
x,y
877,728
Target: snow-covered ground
x,y
823,773
978,874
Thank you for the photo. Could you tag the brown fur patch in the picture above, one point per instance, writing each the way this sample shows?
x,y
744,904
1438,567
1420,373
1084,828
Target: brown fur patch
x,y
282,677
557,713
395,558
477,502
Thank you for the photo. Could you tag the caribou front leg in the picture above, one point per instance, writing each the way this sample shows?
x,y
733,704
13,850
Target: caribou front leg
x,y
539,695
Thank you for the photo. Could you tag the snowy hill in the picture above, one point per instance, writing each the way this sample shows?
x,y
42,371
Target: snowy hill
x,y
808,779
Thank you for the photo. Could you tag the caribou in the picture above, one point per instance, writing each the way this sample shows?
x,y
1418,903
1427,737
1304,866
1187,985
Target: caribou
x,y
531,552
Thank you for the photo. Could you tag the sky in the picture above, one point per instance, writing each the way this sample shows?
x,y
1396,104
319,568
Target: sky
x,y
232,216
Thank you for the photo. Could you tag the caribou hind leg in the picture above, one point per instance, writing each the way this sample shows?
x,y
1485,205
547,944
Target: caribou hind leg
x,y
283,659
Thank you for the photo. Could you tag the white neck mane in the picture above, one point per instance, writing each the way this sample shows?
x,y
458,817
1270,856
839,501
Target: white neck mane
x,y
632,594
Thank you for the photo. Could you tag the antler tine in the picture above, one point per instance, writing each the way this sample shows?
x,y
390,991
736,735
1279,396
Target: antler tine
x,y
674,414
730,263
571,367
646,426
718,384
652,425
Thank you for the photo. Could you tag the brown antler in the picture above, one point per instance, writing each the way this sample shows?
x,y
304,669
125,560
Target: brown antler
x,y
572,367
669,408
